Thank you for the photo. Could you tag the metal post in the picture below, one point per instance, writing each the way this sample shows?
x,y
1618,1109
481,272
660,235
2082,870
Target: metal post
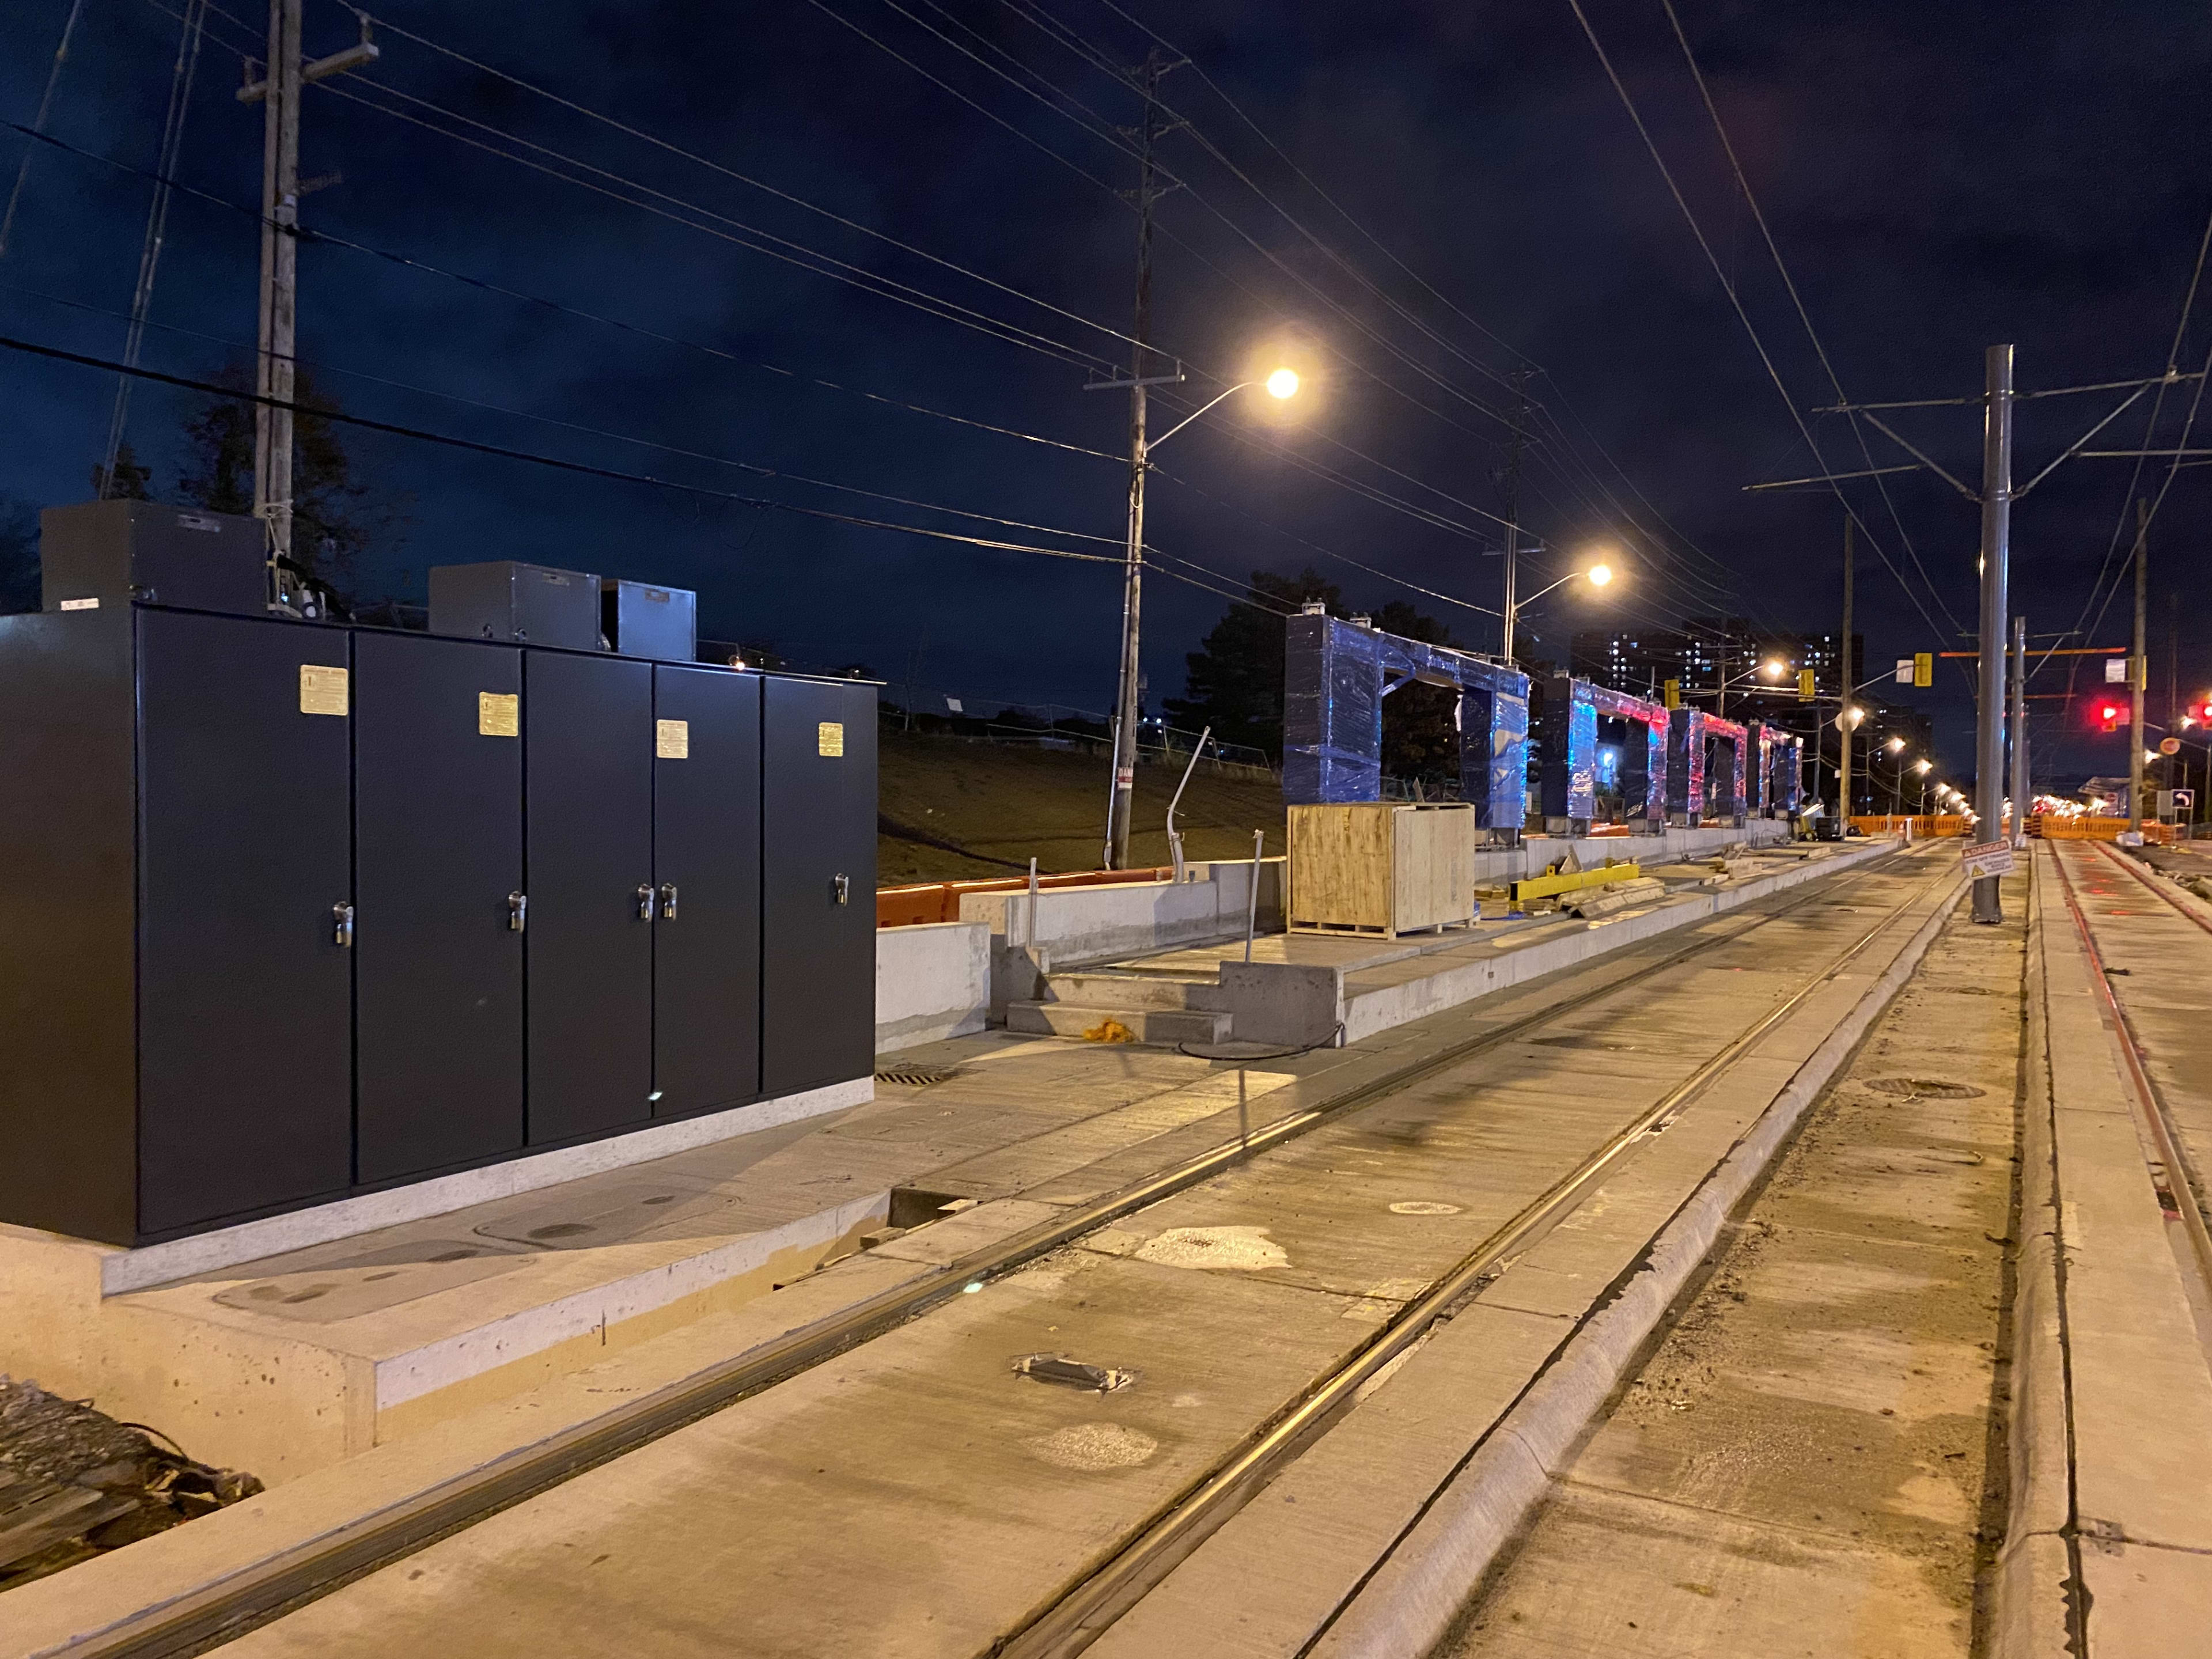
x,y
2136,664
2020,783
1846,681
1252,892
1996,554
1124,737
1174,840
1513,511
274,375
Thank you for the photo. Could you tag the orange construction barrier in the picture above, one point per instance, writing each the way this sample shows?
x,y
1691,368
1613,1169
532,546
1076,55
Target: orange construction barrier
x,y
1921,825
939,901
2059,826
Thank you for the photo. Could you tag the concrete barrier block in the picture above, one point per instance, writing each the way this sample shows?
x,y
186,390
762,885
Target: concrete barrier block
x,y
933,982
1289,1004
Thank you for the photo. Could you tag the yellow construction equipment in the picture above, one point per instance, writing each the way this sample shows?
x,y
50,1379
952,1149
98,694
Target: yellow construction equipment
x,y
1548,883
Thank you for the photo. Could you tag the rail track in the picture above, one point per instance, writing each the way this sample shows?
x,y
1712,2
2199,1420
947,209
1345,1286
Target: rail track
x,y
223,1610
2171,1174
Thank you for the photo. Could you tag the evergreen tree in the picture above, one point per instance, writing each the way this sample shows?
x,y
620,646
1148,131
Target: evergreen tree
x,y
1234,679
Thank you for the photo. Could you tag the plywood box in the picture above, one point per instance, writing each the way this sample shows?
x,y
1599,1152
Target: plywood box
x,y
1382,867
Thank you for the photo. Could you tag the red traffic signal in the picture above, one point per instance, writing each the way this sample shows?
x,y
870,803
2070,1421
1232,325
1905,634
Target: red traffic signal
x,y
2109,714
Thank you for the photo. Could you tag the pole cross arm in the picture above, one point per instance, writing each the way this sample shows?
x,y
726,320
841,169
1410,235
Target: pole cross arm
x,y
319,68
1888,431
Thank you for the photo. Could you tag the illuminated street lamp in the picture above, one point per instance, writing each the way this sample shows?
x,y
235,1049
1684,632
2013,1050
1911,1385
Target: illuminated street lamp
x,y
1281,385
1598,575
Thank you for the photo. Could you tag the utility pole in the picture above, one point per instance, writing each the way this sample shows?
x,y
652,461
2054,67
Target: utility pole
x,y
1512,481
1122,801
2136,664
2020,783
274,378
1996,554
1845,682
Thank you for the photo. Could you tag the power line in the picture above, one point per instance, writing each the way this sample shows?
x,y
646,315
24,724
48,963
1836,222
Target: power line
x,y
1743,316
407,262
1804,316
38,123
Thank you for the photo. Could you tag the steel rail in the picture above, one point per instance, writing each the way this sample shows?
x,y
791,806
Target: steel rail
x,y
290,1579
2157,1121
1083,1614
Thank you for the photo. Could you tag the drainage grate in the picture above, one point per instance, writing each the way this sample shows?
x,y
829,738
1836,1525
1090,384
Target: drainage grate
x,y
916,1076
1925,1089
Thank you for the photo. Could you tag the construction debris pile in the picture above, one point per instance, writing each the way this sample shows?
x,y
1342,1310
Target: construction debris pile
x,y
75,1482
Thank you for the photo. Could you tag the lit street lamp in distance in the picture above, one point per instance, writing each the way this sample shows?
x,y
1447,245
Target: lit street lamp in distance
x,y
1598,574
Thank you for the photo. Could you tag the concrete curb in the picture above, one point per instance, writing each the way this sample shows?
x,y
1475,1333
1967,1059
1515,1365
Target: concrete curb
x,y
1410,1603
2035,1578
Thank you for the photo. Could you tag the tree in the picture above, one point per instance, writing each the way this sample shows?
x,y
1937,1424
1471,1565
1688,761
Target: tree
x,y
334,518
1420,737
19,556
127,482
1234,679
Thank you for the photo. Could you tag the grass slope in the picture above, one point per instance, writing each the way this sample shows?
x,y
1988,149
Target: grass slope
x,y
1007,803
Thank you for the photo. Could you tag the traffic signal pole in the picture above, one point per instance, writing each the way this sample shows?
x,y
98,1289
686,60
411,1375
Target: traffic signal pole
x,y
2137,666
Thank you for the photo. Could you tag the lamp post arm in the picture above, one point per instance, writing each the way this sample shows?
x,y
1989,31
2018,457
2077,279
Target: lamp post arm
x,y
1187,419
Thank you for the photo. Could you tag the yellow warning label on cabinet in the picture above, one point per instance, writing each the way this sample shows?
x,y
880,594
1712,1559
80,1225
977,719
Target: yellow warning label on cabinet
x,y
672,739
499,714
830,738
322,690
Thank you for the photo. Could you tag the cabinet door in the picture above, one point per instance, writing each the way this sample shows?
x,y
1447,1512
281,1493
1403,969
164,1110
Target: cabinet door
x,y
245,991
707,863
818,884
439,893
588,949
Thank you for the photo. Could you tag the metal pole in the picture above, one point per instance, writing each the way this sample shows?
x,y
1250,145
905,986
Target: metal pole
x,y
1996,554
1174,840
1848,679
2019,785
2136,664
1252,892
1513,511
1125,736
280,213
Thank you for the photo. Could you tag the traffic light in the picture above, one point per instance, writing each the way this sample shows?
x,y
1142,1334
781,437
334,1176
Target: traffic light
x,y
1924,668
1674,694
2109,715
1805,689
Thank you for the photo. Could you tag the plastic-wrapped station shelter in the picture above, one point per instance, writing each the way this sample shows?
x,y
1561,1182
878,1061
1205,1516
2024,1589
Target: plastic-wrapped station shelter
x,y
1335,675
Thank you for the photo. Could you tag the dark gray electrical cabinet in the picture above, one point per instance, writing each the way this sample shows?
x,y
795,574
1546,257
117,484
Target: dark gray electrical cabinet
x,y
640,620
818,881
291,911
439,902
589,770
516,604
707,870
111,553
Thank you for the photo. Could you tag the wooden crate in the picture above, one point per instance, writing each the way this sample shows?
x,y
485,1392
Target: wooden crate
x,y
1382,868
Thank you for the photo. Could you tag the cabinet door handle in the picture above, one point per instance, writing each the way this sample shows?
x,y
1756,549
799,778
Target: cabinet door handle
x,y
518,912
645,901
342,926
668,901
841,889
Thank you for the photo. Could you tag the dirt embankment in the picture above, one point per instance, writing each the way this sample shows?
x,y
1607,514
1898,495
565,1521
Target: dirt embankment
x,y
951,809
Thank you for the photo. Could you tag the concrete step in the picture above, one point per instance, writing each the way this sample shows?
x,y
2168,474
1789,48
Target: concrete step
x,y
1120,990
1155,1027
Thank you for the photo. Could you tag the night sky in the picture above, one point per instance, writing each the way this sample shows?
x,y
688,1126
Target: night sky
x,y
1432,197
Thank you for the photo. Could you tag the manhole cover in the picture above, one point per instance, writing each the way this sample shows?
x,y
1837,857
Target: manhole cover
x,y
1925,1089
916,1076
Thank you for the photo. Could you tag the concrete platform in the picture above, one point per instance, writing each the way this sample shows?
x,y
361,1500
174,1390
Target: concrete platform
x,y
298,1359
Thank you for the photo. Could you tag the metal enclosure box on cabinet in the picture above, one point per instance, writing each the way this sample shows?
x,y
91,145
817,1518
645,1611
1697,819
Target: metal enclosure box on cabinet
x,y
640,620
1381,867
517,603
817,883
110,553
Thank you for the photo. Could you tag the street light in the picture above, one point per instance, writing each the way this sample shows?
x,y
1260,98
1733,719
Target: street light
x,y
1281,384
1597,576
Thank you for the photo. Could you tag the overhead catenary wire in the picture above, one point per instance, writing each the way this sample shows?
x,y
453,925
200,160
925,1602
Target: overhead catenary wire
x,y
1804,316
1743,316
38,125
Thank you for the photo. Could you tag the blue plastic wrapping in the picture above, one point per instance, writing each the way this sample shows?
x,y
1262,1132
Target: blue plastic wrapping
x,y
1685,763
1567,772
1648,773
1725,776
1334,678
